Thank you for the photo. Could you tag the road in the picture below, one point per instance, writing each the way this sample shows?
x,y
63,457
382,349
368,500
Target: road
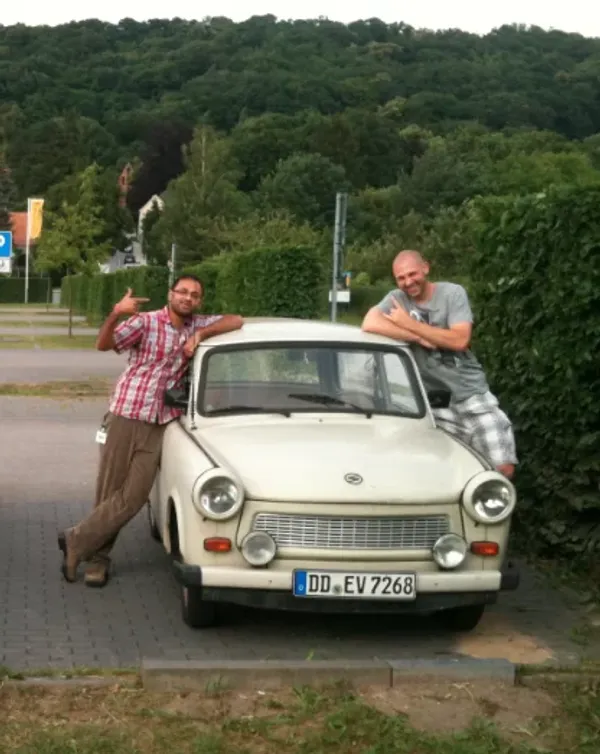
x,y
20,365
47,472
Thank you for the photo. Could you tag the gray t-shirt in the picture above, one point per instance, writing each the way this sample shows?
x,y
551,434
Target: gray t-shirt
x,y
457,371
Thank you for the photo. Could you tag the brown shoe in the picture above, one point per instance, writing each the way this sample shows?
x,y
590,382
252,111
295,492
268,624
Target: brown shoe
x,y
96,574
70,560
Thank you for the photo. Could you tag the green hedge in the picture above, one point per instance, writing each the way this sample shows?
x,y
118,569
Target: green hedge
x,y
12,290
95,295
536,276
363,297
208,272
266,282
262,282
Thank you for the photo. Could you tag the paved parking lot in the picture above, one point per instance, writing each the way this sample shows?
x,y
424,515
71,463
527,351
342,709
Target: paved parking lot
x,y
47,472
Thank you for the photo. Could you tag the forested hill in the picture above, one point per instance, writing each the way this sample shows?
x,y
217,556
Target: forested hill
x,y
93,91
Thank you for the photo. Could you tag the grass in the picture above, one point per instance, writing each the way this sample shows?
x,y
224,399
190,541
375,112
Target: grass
x,y
47,341
91,388
425,718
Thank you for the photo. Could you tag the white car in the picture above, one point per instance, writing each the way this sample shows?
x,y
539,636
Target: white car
x,y
307,473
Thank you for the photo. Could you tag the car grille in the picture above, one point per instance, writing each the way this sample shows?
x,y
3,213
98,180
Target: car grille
x,y
349,533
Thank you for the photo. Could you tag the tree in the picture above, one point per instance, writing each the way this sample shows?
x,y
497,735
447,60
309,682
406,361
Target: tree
x,y
117,220
276,229
7,196
204,198
73,241
306,185
161,161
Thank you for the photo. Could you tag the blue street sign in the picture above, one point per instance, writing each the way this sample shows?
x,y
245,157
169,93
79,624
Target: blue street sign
x,y
5,243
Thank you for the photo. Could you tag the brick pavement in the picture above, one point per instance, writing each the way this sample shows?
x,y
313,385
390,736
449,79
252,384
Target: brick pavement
x,y
47,471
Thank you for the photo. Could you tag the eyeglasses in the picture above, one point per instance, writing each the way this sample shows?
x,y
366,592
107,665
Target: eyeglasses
x,y
192,294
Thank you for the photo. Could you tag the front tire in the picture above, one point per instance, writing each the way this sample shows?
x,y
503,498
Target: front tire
x,y
463,619
197,612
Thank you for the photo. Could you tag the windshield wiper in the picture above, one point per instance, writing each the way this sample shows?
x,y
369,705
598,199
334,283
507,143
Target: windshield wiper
x,y
247,410
330,400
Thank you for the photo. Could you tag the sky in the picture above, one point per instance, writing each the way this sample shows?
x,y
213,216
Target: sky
x,y
478,16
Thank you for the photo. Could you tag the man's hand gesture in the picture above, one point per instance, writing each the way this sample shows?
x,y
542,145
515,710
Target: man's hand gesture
x,y
129,304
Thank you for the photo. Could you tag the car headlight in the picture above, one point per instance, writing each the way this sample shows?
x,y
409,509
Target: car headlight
x,y
489,498
259,548
449,551
217,495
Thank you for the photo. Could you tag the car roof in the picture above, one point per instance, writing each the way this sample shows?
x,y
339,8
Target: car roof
x,y
263,329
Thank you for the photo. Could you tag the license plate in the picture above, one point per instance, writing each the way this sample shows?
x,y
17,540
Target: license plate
x,y
348,585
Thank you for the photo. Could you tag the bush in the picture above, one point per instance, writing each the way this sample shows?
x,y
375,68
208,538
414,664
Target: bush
x,y
12,290
95,295
264,282
536,288
363,297
208,272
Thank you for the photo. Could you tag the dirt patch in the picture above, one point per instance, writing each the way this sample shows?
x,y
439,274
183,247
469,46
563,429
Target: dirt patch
x,y
446,707
496,637
430,707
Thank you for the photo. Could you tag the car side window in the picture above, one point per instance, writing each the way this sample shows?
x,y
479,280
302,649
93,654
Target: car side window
x,y
401,391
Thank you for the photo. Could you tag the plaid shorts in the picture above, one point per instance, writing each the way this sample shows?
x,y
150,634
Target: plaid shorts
x,y
481,423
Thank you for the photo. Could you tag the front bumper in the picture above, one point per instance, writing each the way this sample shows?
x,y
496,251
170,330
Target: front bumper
x,y
273,590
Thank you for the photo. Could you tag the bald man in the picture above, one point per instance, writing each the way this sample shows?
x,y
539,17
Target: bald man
x,y
436,319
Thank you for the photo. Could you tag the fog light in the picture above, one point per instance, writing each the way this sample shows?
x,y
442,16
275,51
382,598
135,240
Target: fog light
x,y
449,551
259,548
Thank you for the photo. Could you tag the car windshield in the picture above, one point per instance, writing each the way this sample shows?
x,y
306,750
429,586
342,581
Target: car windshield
x,y
286,378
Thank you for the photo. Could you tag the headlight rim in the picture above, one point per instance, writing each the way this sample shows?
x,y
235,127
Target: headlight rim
x,y
479,480
252,534
464,554
202,481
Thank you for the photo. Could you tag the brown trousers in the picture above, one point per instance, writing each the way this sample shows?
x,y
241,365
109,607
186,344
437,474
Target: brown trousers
x,y
128,465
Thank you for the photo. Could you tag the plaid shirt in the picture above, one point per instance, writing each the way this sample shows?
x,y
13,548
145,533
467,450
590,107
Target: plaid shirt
x,y
156,362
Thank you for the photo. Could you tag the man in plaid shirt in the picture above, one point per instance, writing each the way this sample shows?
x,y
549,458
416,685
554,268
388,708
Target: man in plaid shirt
x,y
160,344
436,319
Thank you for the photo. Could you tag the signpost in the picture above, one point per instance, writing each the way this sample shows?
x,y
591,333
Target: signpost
x,y
339,239
5,252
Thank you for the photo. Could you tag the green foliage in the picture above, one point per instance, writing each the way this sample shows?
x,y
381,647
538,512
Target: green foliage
x,y
208,272
7,195
73,239
363,297
95,295
271,229
536,289
12,290
203,198
104,195
304,184
285,282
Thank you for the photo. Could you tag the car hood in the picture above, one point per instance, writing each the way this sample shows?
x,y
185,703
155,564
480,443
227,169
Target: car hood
x,y
298,459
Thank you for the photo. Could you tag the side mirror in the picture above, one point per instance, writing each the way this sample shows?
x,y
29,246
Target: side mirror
x,y
439,398
176,398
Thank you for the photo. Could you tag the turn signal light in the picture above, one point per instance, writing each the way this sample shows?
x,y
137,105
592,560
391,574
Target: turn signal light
x,y
485,549
217,544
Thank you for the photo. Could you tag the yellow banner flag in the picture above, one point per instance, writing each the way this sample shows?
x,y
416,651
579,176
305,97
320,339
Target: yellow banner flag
x,y
36,208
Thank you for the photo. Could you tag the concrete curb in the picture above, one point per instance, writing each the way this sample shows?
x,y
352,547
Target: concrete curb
x,y
162,675
55,682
